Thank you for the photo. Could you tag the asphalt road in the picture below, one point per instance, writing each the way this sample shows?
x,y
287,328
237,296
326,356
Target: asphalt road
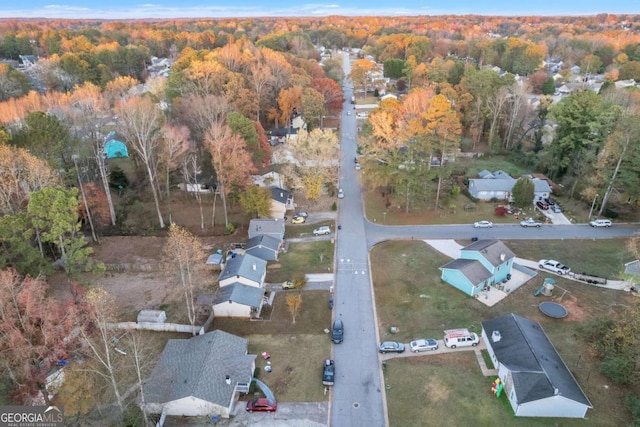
x,y
357,397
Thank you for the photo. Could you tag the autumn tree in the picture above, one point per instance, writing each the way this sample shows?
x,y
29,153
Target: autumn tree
x,y
141,121
35,332
312,107
184,258
20,174
294,303
330,91
316,157
230,159
359,74
256,201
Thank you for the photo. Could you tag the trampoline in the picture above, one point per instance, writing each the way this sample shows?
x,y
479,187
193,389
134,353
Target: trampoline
x,y
553,309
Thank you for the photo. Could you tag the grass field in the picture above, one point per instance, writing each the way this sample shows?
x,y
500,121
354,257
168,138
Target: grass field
x,y
297,349
410,296
307,257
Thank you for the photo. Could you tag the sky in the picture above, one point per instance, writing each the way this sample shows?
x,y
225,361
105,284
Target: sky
x,y
130,9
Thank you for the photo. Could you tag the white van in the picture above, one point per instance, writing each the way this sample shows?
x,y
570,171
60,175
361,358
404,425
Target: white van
x,y
460,338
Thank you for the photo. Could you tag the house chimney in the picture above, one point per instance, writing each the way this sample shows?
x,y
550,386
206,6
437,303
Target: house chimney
x,y
281,194
254,267
496,336
228,380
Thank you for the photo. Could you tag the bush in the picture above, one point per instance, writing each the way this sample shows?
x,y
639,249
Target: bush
x,y
334,207
633,403
229,229
619,367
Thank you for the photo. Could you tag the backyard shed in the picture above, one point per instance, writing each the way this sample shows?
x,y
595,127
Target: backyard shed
x,y
152,316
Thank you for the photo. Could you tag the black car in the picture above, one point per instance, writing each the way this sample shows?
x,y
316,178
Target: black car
x,y
542,205
337,331
328,372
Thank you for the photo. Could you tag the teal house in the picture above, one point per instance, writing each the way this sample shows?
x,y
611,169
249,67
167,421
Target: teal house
x,y
113,148
483,263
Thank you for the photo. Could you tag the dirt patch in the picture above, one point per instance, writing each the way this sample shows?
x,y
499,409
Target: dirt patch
x,y
576,310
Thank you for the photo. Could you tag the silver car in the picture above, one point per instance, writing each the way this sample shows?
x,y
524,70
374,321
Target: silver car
x,y
423,345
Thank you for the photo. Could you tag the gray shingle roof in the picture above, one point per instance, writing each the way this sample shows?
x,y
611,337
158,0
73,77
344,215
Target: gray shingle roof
x,y
491,184
280,195
274,227
240,294
473,270
262,240
537,368
632,268
247,266
491,250
541,186
198,367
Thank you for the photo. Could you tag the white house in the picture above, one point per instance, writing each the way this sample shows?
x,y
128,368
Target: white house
x,y
270,227
536,380
244,269
281,201
238,300
200,376
499,185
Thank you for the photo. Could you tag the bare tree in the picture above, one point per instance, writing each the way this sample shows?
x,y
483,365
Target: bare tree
x,y
173,148
191,173
185,258
141,121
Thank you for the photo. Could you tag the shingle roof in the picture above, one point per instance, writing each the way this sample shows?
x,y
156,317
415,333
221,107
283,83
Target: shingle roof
x,y
266,226
472,269
198,367
632,268
541,186
264,241
240,294
491,250
537,368
280,195
247,266
491,184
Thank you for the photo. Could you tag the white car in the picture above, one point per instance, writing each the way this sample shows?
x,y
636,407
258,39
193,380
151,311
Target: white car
x,y
340,193
423,345
325,229
600,223
483,224
553,265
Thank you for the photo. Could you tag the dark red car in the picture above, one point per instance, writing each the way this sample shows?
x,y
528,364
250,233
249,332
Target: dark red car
x,y
261,405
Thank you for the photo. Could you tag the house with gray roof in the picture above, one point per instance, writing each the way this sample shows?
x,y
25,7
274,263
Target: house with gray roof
x,y
281,201
482,264
238,300
263,246
499,185
270,227
200,376
246,269
536,380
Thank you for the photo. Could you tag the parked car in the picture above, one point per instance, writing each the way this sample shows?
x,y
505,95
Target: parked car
x,y
530,222
550,201
542,205
303,214
328,372
348,113
340,193
454,338
553,265
337,331
358,166
298,220
391,347
483,224
261,404
557,208
325,229
600,223
288,284
423,345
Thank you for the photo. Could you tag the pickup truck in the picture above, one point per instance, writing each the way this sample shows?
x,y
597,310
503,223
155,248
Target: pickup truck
x,y
530,222
328,372
554,266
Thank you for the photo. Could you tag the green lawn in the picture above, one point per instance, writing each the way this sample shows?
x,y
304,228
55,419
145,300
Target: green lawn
x,y
307,257
297,349
410,296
